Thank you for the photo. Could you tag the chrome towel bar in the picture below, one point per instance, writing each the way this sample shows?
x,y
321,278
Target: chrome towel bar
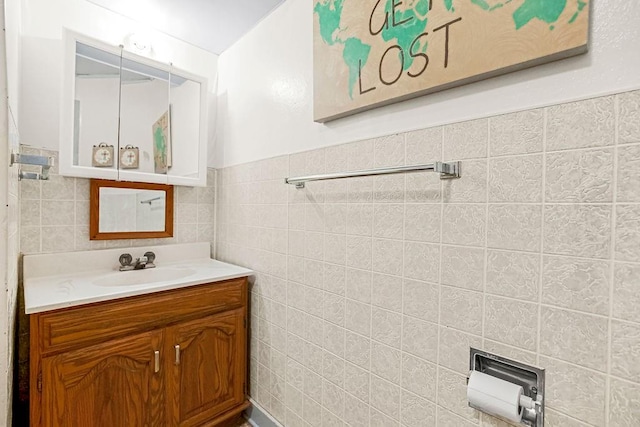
x,y
447,170
27,159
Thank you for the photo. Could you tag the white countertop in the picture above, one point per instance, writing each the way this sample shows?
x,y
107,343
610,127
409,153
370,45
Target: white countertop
x,y
54,281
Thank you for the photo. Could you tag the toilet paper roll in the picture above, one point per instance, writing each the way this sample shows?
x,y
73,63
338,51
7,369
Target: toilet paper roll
x,y
495,396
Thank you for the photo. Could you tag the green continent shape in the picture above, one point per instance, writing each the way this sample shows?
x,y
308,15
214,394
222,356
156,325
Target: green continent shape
x,y
482,3
329,14
355,55
406,33
581,5
545,10
160,143
449,5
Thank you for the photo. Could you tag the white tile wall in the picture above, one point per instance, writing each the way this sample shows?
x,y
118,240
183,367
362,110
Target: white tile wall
x,y
54,214
9,248
370,291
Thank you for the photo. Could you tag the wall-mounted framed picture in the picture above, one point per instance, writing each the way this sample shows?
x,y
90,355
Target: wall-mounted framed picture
x,y
162,144
102,155
369,53
129,157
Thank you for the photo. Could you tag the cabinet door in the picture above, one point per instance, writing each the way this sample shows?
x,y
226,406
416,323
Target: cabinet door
x,y
112,384
207,371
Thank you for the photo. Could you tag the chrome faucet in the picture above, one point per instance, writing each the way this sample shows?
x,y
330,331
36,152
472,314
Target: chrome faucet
x,y
146,261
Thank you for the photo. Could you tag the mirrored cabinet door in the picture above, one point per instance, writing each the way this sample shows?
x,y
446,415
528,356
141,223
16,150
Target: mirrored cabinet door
x,y
145,137
89,138
188,128
95,106
130,118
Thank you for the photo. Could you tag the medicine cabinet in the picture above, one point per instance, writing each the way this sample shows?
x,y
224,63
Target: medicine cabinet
x,y
128,118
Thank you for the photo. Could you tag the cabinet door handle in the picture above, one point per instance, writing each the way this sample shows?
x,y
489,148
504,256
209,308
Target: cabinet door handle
x,y
156,355
177,347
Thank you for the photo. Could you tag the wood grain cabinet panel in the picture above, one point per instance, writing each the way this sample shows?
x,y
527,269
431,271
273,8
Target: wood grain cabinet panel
x,y
206,378
110,384
185,366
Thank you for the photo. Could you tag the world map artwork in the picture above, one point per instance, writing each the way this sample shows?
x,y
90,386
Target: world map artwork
x,y
386,49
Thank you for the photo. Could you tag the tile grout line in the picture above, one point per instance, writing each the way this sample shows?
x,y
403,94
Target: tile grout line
x,y
404,256
607,401
440,246
486,243
486,235
543,196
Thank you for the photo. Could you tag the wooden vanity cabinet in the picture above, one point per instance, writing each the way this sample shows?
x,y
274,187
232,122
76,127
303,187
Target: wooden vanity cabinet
x,y
174,358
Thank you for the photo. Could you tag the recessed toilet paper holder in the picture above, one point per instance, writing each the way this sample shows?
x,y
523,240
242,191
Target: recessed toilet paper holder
x,y
530,378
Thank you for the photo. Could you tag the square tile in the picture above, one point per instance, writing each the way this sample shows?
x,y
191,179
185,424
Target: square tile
x,y
516,179
452,395
577,230
627,233
386,327
463,267
575,391
420,338
421,299
419,376
385,362
421,261
574,337
516,227
629,118
422,146
461,309
422,222
513,274
584,176
581,124
464,225
626,298
517,133
389,151
625,348
576,284
388,221
386,292
624,403
628,174
511,322
466,140
387,256
454,349
472,188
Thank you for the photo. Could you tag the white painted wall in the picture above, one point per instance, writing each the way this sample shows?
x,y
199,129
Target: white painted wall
x,y
266,86
136,124
99,106
41,49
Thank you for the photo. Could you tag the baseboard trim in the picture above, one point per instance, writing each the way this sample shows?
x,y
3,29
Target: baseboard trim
x,y
257,416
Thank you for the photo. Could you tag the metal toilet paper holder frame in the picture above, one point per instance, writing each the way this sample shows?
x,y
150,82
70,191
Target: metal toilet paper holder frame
x,y
529,377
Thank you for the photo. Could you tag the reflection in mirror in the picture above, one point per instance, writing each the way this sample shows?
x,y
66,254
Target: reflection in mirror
x,y
144,115
97,87
128,210
185,125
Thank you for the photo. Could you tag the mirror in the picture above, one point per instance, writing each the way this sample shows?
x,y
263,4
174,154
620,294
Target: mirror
x,y
130,210
185,128
144,118
127,117
96,107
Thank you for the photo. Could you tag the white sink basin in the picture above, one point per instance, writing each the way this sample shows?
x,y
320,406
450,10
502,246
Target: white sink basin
x,y
143,277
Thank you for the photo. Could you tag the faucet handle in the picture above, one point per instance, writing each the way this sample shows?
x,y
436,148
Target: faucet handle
x,y
150,256
125,259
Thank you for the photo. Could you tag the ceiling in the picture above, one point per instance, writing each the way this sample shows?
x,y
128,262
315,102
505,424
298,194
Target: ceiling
x,y
213,25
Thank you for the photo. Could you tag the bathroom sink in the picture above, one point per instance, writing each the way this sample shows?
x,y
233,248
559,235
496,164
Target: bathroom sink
x,y
143,277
